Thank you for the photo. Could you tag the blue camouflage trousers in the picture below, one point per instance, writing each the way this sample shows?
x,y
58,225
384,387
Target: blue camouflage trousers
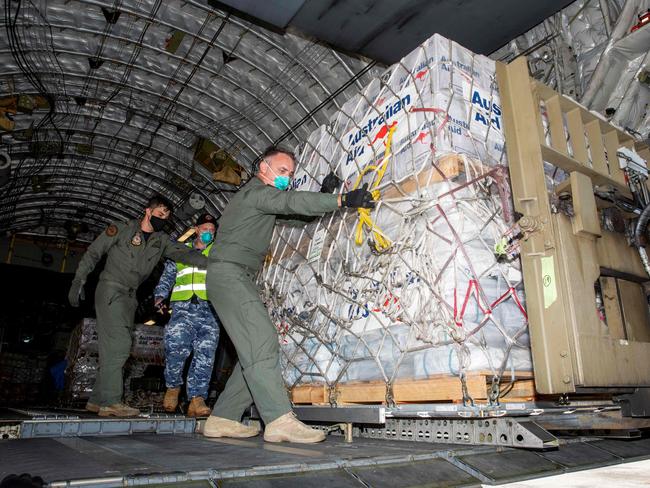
x,y
193,327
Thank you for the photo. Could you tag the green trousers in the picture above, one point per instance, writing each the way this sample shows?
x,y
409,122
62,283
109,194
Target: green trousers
x,y
257,377
115,306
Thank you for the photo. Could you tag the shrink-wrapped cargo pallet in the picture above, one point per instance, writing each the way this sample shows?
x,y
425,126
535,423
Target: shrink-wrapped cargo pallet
x,y
83,362
21,376
420,299
81,357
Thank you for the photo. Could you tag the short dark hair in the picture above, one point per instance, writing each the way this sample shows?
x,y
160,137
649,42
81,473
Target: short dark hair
x,y
275,150
160,201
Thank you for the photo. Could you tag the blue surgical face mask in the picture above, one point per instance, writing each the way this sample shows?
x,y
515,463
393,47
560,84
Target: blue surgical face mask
x,y
206,237
280,182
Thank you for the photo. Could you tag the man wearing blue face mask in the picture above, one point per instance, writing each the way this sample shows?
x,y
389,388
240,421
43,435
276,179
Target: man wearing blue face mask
x,y
245,231
193,326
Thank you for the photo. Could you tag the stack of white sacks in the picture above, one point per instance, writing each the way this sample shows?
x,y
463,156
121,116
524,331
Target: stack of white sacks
x,y
432,298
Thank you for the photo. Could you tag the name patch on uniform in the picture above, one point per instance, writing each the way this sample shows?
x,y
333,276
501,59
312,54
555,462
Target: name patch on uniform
x,y
111,230
137,239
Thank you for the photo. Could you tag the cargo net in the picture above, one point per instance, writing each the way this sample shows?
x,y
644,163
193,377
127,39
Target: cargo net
x,y
429,282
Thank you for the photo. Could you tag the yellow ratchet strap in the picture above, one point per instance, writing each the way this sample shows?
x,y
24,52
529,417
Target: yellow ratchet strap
x,y
380,241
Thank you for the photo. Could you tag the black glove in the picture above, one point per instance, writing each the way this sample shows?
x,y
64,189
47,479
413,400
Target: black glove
x,y
330,183
359,198
76,293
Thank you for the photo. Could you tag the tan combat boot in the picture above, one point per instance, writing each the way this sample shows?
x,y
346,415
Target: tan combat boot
x,y
92,407
170,402
289,429
118,410
198,408
220,427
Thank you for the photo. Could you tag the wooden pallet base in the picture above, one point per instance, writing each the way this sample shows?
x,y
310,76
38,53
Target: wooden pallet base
x,y
449,166
440,388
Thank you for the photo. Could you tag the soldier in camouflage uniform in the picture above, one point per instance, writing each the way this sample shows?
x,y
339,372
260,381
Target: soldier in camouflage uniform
x,y
193,326
132,251
245,231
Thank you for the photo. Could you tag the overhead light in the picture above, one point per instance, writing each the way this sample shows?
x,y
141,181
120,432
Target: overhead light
x,y
150,322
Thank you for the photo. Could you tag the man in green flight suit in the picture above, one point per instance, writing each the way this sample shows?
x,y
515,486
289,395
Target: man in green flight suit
x,y
246,228
133,249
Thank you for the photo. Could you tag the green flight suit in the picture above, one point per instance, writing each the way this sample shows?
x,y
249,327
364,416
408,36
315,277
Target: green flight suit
x,y
130,259
245,231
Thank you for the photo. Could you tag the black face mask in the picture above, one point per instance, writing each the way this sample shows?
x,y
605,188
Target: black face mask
x,y
157,223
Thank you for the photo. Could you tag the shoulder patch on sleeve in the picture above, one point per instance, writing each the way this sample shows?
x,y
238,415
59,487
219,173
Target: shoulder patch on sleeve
x,y
111,230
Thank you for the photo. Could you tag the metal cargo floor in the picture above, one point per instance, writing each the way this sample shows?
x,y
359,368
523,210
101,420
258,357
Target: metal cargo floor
x,y
193,460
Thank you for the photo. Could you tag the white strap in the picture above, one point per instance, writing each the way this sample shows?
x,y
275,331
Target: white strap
x,y
190,287
186,271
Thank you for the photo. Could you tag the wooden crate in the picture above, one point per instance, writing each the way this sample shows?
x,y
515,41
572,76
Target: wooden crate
x,y
439,388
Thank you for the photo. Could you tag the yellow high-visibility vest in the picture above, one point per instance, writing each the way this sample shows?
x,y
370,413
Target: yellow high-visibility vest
x,y
190,280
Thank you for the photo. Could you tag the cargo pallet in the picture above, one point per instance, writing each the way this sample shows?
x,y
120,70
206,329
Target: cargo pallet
x,y
575,358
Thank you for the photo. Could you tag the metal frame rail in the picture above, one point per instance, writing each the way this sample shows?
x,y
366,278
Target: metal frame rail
x,y
564,257
48,424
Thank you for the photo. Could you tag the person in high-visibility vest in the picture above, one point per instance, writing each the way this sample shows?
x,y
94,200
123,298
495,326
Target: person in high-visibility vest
x,y
193,326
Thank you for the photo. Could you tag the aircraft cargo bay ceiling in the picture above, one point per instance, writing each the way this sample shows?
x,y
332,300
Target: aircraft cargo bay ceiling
x,y
103,104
